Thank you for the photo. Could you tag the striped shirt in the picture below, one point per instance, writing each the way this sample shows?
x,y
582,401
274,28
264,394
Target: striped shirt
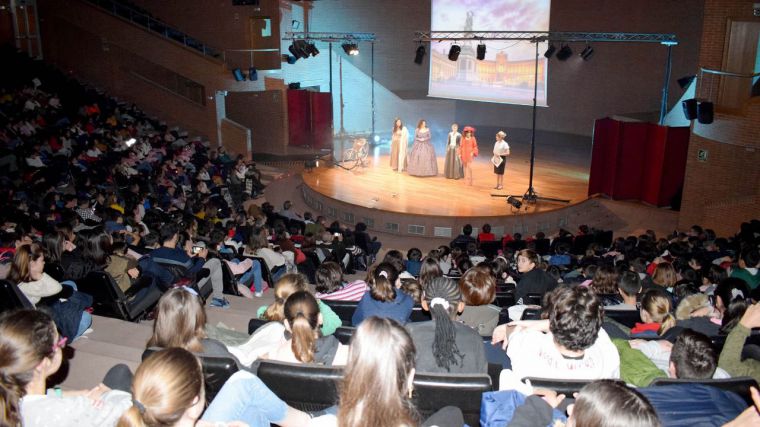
x,y
349,292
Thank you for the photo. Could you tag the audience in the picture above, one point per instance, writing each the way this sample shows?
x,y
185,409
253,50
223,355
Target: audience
x,y
533,280
478,288
285,287
331,286
385,298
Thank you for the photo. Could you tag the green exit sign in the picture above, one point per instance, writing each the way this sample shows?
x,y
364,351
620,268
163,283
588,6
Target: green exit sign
x,y
702,155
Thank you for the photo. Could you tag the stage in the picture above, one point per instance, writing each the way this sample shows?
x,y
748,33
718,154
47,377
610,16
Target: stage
x,y
561,171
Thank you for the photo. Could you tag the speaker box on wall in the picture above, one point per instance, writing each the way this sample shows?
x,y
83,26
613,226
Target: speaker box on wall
x,y
705,113
690,109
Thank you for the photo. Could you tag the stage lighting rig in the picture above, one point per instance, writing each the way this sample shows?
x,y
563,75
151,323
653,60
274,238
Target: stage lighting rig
x,y
564,53
550,51
481,52
587,53
420,55
350,48
454,52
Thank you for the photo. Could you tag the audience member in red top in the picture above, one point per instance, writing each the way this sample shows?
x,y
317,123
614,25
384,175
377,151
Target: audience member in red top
x,y
486,235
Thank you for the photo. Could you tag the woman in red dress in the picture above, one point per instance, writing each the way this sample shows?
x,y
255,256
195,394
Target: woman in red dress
x,y
468,150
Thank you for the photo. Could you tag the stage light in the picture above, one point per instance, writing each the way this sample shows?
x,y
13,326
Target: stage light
x,y
377,138
564,53
481,53
253,75
238,74
420,55
292,59
350,48
690,109
705,112
587,53
313,49
514,202
299,49
550,51
454,52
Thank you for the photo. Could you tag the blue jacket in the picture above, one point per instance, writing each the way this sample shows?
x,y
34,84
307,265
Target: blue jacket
x,y
399,309
175,256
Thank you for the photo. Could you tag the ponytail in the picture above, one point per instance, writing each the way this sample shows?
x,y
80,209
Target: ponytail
x,y
667,322
656,302
131,418
382,282
443,296
11,392
302,313
285,287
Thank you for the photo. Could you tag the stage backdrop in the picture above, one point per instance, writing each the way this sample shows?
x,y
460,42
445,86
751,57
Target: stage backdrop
x,y
507,73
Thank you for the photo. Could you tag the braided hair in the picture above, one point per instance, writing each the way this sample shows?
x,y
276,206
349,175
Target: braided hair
x,y
445,348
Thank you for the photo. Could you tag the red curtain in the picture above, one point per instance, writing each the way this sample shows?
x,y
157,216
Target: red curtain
x,y
310,118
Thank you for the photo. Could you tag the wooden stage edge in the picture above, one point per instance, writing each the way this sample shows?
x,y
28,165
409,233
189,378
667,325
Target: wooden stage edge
x,y
378,188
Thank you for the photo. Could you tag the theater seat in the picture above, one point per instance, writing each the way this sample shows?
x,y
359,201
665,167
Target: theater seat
x,y
11,297
254,324
434,391
344,309
627,318
110,301
308,388
344,334
216,372
738,385
566,387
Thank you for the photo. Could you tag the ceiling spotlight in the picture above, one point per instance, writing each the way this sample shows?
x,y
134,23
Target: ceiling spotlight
x,y
550,51
481,52
299,49
587,53
311,49
454,52
684,82
350,48
420,55
564,53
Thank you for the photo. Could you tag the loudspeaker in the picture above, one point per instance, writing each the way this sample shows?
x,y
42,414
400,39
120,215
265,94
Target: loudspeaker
x,y
705,113
295,85
690,109
239,76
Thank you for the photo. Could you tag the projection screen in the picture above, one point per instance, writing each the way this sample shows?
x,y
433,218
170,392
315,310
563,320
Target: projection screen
x,y
506,75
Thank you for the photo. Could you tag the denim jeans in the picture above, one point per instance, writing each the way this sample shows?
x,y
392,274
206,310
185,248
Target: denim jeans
x,y
244,397
86,320
253,274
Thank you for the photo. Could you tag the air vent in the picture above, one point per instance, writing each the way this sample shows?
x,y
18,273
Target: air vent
x,y
370,222
416,229
348,217
392,227
442,231
332,212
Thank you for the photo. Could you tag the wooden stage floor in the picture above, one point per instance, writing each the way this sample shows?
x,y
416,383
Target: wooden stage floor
x,y
377,186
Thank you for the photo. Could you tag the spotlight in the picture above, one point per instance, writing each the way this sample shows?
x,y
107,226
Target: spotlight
x,y
481,52
454,52
550,51
299,49
690,109
564,53
514,202
376,138
313,49
684,82
705,112
253,75
350,48
587,53
239,76
420,55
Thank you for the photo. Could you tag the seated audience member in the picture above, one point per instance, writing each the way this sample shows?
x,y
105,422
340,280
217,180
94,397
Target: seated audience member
x,y
656,314
533,280
377,385
258,246
463,239
285,287
692,357
384,298
749,262
31,350
65,302
170,253
665,276
731,355
605,280
629,286
478,288
485,235
569,344
413,262
444,259
168,390
695,312
728,291
603,403
444,345
303,343
411,287
330,285
429,271
368,244
181,322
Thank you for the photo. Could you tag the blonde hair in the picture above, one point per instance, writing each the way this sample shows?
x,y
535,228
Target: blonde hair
x,y
376,384
25,254
501,135
287,285
26,338
165,386
180,321
657,303
664,275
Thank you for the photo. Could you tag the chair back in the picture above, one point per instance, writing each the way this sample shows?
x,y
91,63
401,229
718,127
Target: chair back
x,y
344,334
11,297
491,248
535,299
566,387
434,391
304,387
738,385
255,324
229,281
216,372
627,318
419,315
107,298
344,309
543,246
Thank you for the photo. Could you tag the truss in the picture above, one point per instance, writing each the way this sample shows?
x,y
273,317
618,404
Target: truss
x,y
331,37
542,36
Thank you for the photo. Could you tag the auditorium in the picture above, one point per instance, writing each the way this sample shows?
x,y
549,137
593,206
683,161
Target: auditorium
x,y
405,213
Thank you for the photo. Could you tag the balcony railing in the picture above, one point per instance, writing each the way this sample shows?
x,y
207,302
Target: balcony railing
x,y
728,90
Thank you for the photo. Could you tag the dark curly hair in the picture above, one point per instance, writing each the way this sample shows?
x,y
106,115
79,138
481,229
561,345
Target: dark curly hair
x,y
575,317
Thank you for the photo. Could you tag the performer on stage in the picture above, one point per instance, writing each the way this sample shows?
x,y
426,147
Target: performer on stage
x,y
452,168
468,151
499,159
422,161
399,142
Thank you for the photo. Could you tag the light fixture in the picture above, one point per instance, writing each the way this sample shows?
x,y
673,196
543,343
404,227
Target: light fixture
x,y
685,81
705,112
690,109
550,51
238,74
514,202
253,75
420,55
587,53
454,52
481,52
350,48
313,49
564,53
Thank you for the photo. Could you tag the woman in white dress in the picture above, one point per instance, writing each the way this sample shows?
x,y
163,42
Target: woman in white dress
x,y
500,153
399,141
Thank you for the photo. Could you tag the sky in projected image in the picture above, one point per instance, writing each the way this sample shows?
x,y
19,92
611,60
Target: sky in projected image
x,y
506,75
